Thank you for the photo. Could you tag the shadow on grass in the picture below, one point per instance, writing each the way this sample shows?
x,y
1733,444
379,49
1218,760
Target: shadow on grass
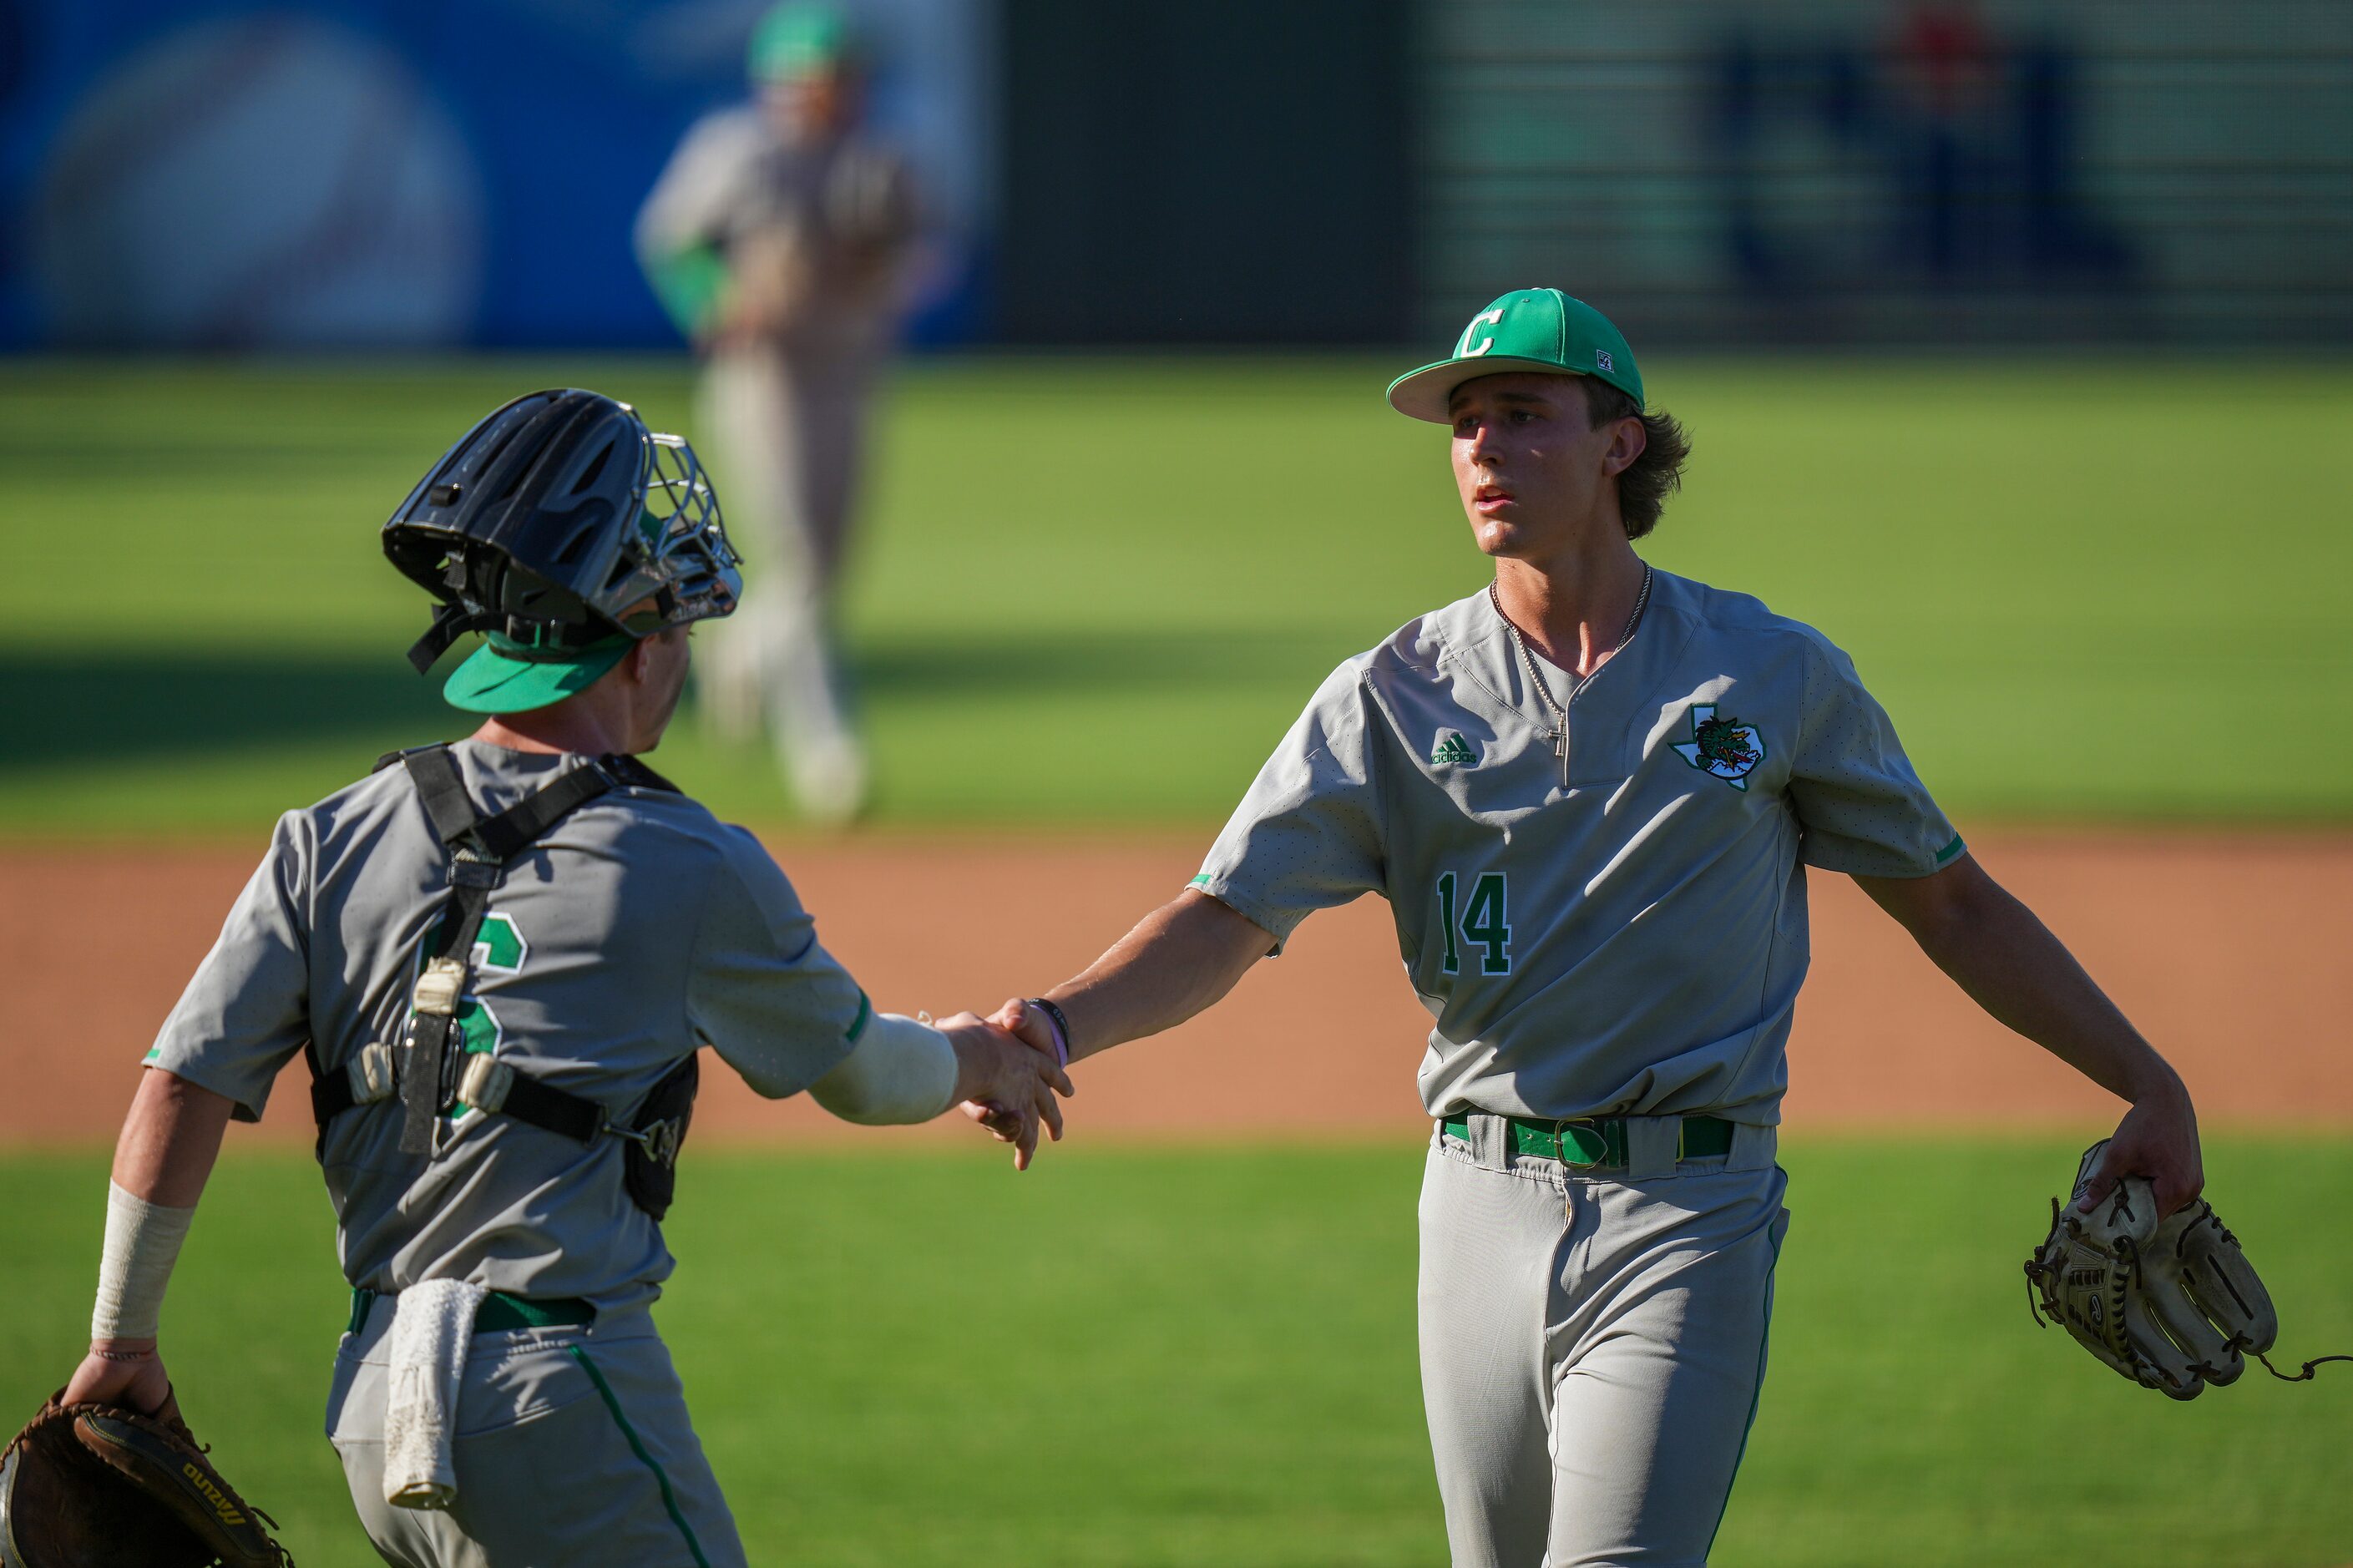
x,y
182,459
1070,663
67,708
100,707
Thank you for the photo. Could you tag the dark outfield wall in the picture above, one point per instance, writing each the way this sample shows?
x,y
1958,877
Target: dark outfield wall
x,y
1218,172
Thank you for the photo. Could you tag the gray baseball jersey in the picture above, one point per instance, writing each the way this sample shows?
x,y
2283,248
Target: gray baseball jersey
x,y
1608,922
838,213
635,931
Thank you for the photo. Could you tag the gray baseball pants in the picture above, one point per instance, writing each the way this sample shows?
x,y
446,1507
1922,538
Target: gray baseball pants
x,y
573,1450
1592,1345
788,434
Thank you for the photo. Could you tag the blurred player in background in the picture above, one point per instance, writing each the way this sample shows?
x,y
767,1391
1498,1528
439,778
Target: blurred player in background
x,y
778,239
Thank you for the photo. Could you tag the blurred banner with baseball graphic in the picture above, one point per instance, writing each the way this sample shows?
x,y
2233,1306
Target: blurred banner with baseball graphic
x,y
333,175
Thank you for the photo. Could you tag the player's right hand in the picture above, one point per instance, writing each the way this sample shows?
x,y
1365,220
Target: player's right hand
x,y
2157,1139
143,1385
1006,1084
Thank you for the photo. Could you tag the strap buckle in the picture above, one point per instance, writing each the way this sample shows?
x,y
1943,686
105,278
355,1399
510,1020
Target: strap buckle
x,y
370,1073
469,870
485,1082
438,988
660,1140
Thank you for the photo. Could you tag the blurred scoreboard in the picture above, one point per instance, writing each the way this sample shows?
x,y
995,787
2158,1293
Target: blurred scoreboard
x,y
1844,171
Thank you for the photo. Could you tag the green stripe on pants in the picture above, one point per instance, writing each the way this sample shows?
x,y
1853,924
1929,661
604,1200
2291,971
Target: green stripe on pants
x,y
613,1405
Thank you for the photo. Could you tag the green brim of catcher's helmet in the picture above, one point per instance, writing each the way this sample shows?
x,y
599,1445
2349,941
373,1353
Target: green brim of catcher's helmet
x,y
1540,329
503,676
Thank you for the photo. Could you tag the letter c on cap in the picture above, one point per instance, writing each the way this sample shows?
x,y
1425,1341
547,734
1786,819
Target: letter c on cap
x,y
1463,350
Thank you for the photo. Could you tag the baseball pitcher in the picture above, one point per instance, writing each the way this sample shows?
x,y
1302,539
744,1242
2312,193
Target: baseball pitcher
x,y
777,239
500,960
1591,793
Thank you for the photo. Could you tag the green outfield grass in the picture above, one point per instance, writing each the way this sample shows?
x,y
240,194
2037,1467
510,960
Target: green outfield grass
x,y
1206,1357
1097,591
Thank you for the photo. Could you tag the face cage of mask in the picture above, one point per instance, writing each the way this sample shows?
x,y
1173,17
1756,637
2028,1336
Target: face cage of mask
x,y
685,545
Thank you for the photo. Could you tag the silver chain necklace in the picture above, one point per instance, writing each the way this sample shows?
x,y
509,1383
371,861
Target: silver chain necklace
x,y
1535,679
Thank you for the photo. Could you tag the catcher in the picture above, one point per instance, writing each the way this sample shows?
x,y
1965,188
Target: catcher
x,y
499,959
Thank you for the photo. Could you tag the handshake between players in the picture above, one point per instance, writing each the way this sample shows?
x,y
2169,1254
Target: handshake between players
x,y
1006,1082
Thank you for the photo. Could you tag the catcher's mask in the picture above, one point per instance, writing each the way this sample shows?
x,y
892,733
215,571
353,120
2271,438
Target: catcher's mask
x,y
566,531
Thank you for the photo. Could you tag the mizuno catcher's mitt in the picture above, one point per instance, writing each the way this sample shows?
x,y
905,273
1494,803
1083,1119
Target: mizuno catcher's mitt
x,y
91,1486
2170,1304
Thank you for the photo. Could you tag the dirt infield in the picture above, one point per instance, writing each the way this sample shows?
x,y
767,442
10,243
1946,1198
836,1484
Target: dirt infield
x,y
2231,952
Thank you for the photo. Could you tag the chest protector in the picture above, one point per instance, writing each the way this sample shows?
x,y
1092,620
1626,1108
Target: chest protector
x,y
430,1073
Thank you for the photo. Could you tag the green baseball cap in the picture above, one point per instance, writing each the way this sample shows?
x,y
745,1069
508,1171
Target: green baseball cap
x,y
504,676
796,40
1541,329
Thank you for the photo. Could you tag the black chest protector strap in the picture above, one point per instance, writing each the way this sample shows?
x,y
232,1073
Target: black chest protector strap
x,y
479,848
428,1072
432,1072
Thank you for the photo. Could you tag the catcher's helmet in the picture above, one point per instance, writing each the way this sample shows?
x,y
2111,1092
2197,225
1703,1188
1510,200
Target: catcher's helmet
x,y
564,530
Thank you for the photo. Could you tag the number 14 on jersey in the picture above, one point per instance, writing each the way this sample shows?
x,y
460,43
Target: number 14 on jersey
x,y
1484,922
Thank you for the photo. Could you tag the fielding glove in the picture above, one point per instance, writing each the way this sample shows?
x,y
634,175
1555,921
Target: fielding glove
x,y
92,1486
2172,1304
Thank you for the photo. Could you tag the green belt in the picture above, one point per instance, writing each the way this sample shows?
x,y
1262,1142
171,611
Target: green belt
x,y
1598,1142
499,1311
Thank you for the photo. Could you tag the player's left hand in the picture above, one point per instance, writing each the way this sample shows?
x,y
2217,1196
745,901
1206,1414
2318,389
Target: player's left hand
x,y
2158,1139
142,1385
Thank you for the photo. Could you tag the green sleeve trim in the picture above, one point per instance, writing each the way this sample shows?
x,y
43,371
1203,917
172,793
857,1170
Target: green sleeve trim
x,y
1950,851
865,1015
1200,881
638,1449
688,282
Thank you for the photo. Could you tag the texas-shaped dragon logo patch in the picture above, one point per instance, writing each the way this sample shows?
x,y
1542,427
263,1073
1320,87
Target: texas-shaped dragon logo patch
x,y
1721,748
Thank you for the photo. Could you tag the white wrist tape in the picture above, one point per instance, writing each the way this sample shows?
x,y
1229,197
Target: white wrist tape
x,y
143,1243
901,1071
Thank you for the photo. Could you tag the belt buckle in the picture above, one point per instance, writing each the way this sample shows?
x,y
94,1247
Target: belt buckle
x,y
1589,1142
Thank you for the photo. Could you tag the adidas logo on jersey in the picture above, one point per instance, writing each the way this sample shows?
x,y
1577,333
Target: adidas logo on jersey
x,y
1453,751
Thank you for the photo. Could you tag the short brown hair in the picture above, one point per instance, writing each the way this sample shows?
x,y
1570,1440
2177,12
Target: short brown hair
x,y
1643,488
